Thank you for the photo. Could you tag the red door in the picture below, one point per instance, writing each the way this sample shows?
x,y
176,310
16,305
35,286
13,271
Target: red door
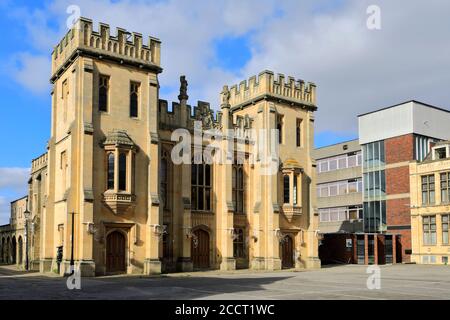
x,y
115,252
287,253
200,249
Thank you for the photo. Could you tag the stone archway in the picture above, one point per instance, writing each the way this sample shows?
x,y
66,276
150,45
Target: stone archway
x,y
8,251
13,250
2,250
20,251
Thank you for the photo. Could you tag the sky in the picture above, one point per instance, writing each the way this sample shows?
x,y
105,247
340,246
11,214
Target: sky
x,y
223,42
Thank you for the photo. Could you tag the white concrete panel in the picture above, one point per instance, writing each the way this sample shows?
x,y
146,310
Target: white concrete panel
x,y
386,123
410,117
431,122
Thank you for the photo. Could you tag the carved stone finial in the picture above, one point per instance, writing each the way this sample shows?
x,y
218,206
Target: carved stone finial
x,y
183,89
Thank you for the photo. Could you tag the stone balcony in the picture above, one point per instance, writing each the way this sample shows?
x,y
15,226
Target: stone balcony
x,y
291,212
119,203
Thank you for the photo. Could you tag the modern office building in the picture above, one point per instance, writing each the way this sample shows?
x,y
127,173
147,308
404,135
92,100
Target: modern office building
x,y
430,206
339,187
390,139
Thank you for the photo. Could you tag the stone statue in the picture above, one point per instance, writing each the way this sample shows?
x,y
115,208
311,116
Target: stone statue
x,y
183,89
226,96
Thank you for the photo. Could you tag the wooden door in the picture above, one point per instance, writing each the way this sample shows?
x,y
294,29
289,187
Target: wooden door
x,y
115,252
287,253
200,249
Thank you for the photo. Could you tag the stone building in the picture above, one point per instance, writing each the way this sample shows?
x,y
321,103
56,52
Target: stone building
x,y
109,181
13,235
430,206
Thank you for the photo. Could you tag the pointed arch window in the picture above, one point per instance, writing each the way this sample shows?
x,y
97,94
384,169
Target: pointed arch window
x,y
103,88
134,99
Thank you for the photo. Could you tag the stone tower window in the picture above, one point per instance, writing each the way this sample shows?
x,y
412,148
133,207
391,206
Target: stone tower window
x,y
280,128
134,99
103,88
298,133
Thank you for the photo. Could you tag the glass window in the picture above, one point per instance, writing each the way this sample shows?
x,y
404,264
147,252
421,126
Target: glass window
x,y
353,187
295,190
238,188
324,215
333,164
134,99
280,128
333,190
324,166
324,192
201,187
286,188
299,132
122,172
343,188
445,187
342,162
164,183
103,88
429,230
428,191
352,161
445,222
110,171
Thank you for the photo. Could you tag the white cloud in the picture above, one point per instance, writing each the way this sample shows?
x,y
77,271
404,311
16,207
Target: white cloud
x,y
32,72
4,211
14,179
356,70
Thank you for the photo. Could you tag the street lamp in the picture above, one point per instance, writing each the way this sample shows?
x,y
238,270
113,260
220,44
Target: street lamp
x,y
27,215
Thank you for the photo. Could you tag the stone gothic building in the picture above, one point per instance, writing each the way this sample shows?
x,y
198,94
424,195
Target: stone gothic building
x,y
109,179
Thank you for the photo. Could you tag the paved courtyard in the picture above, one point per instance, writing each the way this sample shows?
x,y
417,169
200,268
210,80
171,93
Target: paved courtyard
x,y
404,282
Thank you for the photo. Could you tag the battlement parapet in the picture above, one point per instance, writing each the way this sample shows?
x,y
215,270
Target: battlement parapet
x,y
39,162
266,84
124,46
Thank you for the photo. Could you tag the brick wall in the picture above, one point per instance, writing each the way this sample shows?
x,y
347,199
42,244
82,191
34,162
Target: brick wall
x,y
398,213
399,149
397,180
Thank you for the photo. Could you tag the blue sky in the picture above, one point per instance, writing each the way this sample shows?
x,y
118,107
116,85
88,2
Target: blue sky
x,y
223,42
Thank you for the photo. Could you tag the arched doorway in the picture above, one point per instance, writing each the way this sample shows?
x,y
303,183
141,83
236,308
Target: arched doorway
x,y
2,250
20,251
8,251
13,250
115,252
200,249
287,253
